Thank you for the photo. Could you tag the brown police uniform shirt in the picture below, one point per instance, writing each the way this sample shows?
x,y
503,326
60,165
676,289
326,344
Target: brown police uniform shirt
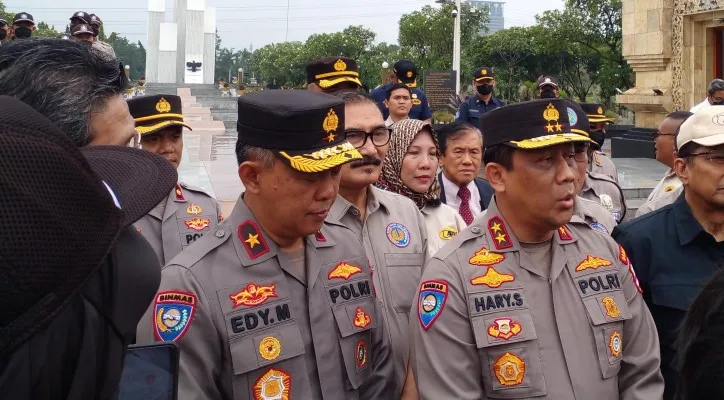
x,y
395,240
494,322
187,214
602,164
595,215
250,326
606,192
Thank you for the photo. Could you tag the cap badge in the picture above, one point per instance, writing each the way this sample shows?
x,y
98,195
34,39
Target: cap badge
x,y
163,106
270,348
552,115
572,117
484,72
548,80
24,16
340,65
600,110
409,74
83,28
330,124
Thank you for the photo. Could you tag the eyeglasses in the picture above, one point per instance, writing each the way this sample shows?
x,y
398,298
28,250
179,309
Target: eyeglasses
x,y
135,141
657,134
358,138
716,157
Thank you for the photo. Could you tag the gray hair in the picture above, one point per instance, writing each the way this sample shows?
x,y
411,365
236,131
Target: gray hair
x,y
244,152
65,80
717,85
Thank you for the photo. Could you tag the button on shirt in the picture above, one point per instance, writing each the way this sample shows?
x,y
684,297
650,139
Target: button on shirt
x,y
673,257
473,108
453,200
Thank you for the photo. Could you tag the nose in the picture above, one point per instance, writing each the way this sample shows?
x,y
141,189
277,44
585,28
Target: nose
x,y
166,146
467,158
425,162
327,187
369,147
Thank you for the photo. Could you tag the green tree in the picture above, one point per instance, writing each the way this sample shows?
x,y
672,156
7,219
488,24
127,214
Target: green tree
x,y
283,62
128,53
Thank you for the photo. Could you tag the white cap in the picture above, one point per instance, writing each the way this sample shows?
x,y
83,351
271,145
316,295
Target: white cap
x,y
705,128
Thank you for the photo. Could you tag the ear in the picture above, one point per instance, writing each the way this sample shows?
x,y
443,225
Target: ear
x,y
387,103
495,173
250,173
682,170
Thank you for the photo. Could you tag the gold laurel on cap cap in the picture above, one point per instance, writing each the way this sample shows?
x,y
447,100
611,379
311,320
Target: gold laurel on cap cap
x,y
323,160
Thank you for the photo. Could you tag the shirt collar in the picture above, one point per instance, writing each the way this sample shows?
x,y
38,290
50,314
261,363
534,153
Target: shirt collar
x,y
451,188
687,227
375,201
670,174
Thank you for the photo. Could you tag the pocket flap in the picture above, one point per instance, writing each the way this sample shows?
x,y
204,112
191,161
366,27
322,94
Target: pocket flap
x,y
606,308
356,317
269,347
503,328
404,259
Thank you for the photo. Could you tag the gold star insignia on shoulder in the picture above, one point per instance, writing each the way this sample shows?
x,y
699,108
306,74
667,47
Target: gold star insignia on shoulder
x,y
253,240
497,230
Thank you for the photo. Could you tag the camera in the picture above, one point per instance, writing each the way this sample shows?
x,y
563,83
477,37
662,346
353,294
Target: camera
x,y
455,13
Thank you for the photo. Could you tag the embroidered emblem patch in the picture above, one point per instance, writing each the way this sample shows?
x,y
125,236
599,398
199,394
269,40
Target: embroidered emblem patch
x,y
599,227
253,295
564,234
275,384
669,188
600,110
593,263
622,255
615,343
270,348
497,230
485,257
343,271
398,234
252,239
606,202
197,224
572,117
330,125
163,106
431,301
492,278
194,209
179,193
173,312
448,233
551,115
360,355
361,319
609,304
509,369
504,328
616,215
340,65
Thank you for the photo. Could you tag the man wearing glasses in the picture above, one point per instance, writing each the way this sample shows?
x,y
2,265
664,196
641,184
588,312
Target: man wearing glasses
x,y
714,96
389,225
188,212
669,188
676,249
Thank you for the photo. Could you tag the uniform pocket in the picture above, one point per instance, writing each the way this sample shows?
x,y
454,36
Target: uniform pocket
x,y
355,323
509,355
404,272
607,314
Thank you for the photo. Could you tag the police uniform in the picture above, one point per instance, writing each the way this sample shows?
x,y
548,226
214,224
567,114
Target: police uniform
x,y
189,212
329,72
406,73
489,325
473,108
248,326
605,191
595,215
600,162
666,192
394,235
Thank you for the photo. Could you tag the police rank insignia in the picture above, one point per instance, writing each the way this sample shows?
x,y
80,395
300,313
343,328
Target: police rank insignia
x,y
343,271
398,234
319,236
615,343
431,301
275,384
361,318
197,224
252,239
609,304
360,355
163,106
447,233
340,65
485,257
497,230
253,295
564,234
552,115
592,262
330,125
270,348
509,369
179,193
492,278
504,328
172,314
194,209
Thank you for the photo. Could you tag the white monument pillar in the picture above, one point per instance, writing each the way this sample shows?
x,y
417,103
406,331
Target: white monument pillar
x,y
156,16
209,61
194,63
179,14
167,54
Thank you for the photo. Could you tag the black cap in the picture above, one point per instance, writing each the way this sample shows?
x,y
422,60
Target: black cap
x,y
529,125
80,29
578,119
330,71
153,113
406,71
304,129
94,20
23,17
596,112
544,80
483,73
82,16
3,22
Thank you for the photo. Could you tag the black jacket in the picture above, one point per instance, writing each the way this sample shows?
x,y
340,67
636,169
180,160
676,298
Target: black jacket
x,y
486,191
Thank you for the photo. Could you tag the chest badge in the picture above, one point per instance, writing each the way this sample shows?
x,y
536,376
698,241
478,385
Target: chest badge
x,y
669,188
595,225
615,343
448,233
273,385
360,355
194,209
173,313
485,257
253,295
504,328
431,301
398,234
492,278
609,304
270,348
622,255
593,263
197,224
361,319
509,369
606,202
343,271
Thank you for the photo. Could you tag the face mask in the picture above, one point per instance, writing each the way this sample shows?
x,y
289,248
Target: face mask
x,y
718,103
22,32
598,137
547,94
485,89
3,34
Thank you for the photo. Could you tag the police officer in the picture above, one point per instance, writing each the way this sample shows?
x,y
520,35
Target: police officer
x,y
78,18
331,74
605,191
526,303
547,87
484,101
188,213
4,30
600,163
23,26
404,71
278,303
82,32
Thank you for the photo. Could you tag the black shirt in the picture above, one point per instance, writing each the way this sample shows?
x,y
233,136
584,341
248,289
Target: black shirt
x,y
673,257
473,108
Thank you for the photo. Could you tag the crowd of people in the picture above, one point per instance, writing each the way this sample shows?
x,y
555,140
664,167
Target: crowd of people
x,y
371,254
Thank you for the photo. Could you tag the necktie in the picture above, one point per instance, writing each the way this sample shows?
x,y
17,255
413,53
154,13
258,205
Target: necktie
x,y
464,210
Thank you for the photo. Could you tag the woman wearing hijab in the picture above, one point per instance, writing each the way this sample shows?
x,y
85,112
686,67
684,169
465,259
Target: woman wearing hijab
x,y
410,169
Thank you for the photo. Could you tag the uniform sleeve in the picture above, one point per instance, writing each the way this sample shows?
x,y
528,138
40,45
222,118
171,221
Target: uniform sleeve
x,y
444,356
201,356
462,114
425,112
381,382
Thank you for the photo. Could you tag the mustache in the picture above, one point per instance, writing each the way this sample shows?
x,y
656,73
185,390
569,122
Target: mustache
x,y
366,160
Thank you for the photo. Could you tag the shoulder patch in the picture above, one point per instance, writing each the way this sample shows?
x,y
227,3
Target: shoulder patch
x,y
431,301
498,233
252,239
564,233
173,312
179,193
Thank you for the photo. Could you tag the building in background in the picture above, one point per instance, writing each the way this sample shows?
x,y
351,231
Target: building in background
x,y
497,14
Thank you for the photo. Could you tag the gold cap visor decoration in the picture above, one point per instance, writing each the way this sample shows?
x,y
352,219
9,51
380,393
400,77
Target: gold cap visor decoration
x,y
321,160
328,83
149,129
599,118
549,140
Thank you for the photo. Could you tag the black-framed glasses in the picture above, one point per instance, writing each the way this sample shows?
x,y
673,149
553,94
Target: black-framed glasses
x,y
716,157
658,133
379,136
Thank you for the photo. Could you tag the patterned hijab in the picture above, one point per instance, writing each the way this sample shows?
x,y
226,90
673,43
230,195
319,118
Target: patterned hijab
x,y
403,133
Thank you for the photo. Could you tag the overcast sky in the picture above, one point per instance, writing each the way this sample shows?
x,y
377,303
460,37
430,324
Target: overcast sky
x,y
242,23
